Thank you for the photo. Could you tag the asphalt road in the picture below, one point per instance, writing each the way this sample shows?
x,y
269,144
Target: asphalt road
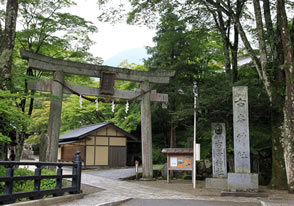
x,y
116,174
142,202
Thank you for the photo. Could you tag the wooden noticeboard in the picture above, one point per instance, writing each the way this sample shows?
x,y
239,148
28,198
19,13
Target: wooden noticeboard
x,y
180,162
178,159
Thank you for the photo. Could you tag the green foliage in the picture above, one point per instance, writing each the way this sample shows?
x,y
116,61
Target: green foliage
x,y
75,116
196,55
23,185
34,139
48,183
49,31
4,139
157,156
192,53
11,118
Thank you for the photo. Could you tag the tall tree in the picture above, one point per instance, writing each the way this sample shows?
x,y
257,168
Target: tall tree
x,y
46,30
224,24
275,70
7,44
188,51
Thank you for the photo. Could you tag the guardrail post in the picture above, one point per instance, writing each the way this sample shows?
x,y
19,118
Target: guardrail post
x,y
59,182
77,172
9,184
37,183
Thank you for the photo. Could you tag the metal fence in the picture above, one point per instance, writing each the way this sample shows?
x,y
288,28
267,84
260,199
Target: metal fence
x,y
37,193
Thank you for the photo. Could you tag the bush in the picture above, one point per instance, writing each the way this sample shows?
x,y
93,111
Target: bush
x,y
48,183
23,185
158,157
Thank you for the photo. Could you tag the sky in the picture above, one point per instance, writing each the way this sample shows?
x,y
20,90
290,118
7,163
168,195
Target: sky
x,y
112,40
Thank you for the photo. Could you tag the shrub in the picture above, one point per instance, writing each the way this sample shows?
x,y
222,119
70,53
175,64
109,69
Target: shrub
x,y
158,157
48,183
23,185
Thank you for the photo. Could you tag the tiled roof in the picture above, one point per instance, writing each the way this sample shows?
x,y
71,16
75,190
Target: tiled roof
x,y
82,131
85,130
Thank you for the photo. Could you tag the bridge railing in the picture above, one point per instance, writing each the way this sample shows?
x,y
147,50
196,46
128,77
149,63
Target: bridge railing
x,y
37,193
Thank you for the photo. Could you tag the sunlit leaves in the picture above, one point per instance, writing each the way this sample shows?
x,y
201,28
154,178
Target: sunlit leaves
x,y
44,25
11,118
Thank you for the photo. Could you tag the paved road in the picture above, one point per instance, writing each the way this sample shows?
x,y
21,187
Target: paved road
x,y
116,174
115,190
164,202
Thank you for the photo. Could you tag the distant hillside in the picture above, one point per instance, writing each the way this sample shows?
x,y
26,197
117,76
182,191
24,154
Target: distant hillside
x,y
135,55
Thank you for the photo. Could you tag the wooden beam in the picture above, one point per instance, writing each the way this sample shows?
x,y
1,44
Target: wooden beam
x,y
46,86
50,64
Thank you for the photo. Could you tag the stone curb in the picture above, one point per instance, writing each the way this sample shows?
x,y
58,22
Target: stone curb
x,y
115,203
242,194
49,201
283,202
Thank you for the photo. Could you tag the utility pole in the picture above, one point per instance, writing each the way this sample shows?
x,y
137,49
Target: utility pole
x,y
195,91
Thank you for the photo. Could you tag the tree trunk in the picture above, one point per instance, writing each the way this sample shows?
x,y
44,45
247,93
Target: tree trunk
x,y
7,45
279,179
172,136
226,43
20,137
3,151
234,52
288,66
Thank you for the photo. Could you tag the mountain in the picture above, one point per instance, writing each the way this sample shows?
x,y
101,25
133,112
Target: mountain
x,y
135,55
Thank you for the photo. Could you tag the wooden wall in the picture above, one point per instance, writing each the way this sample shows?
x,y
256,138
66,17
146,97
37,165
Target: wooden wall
x,y
103,147
66,152
99,150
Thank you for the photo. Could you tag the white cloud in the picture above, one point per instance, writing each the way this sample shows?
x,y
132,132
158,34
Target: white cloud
x,y
112,39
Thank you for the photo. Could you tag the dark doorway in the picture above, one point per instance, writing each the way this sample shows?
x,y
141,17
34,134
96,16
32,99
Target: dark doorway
x,y
117,156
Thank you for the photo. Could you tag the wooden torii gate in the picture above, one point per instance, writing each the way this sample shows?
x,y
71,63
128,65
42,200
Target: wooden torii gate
x,y
58,86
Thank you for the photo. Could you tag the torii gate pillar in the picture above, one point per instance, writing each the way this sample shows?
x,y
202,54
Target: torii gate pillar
x,y
54,116
146,132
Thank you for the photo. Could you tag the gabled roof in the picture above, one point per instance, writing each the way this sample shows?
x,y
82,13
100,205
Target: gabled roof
x,y
84,131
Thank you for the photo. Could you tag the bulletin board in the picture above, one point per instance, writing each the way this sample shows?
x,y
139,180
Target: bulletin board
x,y
180,162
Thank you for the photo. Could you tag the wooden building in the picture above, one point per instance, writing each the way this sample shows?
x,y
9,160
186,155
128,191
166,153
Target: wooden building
x,y
103,145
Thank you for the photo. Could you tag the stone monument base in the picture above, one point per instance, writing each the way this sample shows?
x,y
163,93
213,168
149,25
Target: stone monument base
x,y
243,182
216,183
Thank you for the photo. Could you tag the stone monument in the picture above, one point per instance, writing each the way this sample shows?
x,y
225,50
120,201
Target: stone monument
x,y
242,179
219,160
